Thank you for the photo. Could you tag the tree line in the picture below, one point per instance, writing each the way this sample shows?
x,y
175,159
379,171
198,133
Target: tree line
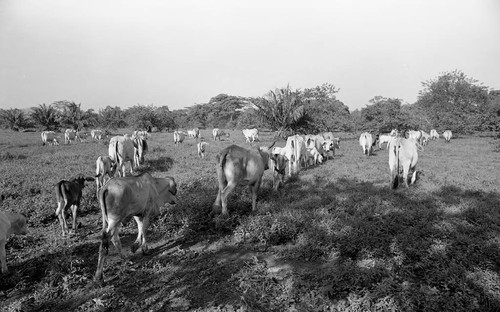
x,y
451,101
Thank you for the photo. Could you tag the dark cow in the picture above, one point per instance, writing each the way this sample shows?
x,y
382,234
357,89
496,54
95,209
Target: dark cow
x,y
69,194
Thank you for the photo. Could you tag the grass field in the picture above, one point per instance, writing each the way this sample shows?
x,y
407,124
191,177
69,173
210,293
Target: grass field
x,y
335,238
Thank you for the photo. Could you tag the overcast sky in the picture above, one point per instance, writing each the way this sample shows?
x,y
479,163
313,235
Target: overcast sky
x,y
180,53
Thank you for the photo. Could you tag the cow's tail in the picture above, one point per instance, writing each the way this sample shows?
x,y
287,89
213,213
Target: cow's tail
x,y
395,168
104,209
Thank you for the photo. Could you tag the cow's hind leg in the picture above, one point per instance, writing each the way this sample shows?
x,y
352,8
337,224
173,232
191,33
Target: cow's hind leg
x,y
225,193
254,189
142,226
61,209
74,210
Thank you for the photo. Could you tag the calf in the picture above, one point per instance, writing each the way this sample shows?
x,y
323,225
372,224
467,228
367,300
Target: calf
x,y
103,166
314,155
201,149
179,137
69,194
10,223
278,165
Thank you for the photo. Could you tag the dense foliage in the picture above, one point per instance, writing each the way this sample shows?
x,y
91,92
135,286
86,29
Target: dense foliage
x,y
451,101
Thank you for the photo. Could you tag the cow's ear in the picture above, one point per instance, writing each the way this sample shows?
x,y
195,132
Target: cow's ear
x,y
90,179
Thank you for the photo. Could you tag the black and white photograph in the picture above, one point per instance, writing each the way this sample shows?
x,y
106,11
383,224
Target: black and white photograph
x,y
243,156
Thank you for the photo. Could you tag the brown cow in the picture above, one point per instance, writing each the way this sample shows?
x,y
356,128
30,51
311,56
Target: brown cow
x,y
140,197
238,165
10,223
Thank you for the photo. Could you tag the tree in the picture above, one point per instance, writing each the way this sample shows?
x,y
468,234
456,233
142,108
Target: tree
x,y
111,118
13,119
326,112
164,119
72,116
142,116
383,115
45,116
453,101
282,110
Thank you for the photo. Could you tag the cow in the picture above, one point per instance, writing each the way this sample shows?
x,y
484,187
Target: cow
x,y
278,165
49,137
217,133
103,166
403,156
201,149
194,133
121,152
323,146
69,136
240,166
81,136
414,134
367,142
447,136
425,138
384,138
314,155
140,197
96,134
296,153
179,137
143,134
10,223
434,134
140,150
251,135
69,194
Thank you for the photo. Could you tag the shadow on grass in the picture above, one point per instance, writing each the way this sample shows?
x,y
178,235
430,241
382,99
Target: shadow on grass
x,y
161,163
357,247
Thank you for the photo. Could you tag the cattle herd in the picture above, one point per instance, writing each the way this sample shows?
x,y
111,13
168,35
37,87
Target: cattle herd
x,y
141,196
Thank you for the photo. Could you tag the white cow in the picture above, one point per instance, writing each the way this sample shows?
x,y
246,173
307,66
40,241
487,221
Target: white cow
x,y
366,141
251,135
103,166
403,156
296,153
96,134
384,138
201,149
447,136
217,133
194,133
179,137
49,137
121,151
434,134
314,155
69,136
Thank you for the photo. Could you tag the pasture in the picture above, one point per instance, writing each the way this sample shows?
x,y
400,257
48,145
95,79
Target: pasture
x,y
335,238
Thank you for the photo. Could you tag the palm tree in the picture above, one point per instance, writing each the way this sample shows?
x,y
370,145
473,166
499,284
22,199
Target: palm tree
x,y
45,116
283,110
13,118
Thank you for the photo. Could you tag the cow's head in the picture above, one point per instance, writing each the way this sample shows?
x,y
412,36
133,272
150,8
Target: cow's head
x,y
167,189
80,179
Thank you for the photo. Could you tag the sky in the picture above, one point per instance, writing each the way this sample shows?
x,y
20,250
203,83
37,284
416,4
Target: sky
x,y
183,52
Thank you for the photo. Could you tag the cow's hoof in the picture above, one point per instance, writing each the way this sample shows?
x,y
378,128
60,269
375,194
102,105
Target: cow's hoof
x,y
145,250
97,283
